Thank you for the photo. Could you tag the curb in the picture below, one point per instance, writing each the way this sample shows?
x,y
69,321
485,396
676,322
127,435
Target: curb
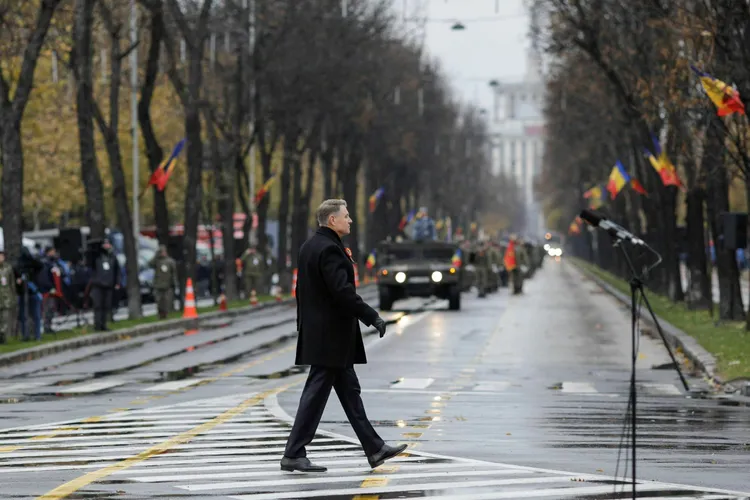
x,y
95,338
676,338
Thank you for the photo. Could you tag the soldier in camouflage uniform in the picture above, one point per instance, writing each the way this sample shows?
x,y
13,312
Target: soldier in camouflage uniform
x,y
165,281
495,263
483,265
7,298
252,270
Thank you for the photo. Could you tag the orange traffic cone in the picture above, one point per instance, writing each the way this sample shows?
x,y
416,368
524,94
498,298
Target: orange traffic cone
x,y
222,302
190,310
294,283
253,298
356,277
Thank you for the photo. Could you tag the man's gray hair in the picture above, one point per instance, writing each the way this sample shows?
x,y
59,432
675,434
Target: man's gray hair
x,y
328,208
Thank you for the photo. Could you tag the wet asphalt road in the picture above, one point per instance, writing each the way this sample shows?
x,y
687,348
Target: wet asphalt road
x,y
512,397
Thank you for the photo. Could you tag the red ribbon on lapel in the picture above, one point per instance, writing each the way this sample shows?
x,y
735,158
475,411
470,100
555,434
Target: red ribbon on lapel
x,y
349,253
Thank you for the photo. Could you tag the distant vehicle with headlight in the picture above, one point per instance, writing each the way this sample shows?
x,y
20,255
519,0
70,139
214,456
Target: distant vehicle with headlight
x,y
420,269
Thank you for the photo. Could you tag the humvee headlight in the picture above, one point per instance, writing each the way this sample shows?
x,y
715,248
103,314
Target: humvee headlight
x,y
400,277
384,272
437,276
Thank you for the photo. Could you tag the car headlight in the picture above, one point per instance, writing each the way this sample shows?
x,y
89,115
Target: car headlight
x,y
437,276
400,277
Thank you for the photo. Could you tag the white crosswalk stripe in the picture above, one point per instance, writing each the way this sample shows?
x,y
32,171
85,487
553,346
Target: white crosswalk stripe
x,y
239,459
406,385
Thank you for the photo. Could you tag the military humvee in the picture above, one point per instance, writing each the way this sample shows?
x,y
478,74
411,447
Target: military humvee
x,y
419,269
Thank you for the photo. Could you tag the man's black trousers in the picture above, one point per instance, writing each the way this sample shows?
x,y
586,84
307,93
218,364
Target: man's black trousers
x,y
101,299
313,401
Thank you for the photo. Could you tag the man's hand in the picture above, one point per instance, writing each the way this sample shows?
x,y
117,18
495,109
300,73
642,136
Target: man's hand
x,y
379,325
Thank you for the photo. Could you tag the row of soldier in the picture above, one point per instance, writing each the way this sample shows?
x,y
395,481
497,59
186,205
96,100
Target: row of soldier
x,y
503,264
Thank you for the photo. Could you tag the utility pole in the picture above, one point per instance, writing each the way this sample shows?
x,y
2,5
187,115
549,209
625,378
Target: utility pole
x,y
134,119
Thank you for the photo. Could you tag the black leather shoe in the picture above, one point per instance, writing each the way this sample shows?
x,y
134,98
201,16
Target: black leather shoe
x,y
386,453
301,464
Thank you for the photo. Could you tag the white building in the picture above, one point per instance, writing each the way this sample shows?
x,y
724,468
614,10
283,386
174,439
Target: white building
x,y
517,126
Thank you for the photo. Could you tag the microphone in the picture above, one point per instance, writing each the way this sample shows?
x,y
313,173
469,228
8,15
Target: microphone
x,y
598,220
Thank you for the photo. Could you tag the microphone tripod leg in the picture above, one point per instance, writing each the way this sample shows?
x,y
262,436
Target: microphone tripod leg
x,y
664,341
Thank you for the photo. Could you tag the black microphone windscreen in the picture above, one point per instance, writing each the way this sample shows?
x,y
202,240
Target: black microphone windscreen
x,y
591,217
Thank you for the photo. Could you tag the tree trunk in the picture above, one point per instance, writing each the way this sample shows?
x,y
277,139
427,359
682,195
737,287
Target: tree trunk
x,y
298,208
12,188
194,190
289,162
154,151
699,284
11,143
119,189
671,260
730,300
349,187
327,167
262,208
82,61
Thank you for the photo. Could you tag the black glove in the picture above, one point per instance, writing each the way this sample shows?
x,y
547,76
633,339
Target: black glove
x,y
379,325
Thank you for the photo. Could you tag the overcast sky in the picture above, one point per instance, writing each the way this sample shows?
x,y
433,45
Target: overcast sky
x,y
493,45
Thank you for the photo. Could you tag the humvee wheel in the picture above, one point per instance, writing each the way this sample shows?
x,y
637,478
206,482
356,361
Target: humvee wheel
x,y
386,302
454,298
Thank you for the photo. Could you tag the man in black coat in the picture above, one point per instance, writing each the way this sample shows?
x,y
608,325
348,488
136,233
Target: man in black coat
x,y
330,340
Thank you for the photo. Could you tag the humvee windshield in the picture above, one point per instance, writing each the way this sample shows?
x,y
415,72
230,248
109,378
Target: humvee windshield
x,y
392,255
399,254
441,254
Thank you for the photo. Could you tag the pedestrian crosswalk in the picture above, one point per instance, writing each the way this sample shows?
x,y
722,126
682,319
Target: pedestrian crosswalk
x,y
238,458
478,387
403,385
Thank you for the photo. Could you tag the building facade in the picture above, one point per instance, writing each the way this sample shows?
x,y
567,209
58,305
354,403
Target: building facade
x,y
517,125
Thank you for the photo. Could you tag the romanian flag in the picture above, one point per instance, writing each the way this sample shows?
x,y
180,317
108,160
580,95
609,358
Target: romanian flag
x,y
263,190
406,219
456,259
370,263
374,197
618,179
638,187
160,176
595,195
725,98
663,166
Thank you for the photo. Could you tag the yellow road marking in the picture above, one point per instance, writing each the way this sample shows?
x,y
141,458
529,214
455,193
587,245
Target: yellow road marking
x,y
182,438
8,449
376,482
412,434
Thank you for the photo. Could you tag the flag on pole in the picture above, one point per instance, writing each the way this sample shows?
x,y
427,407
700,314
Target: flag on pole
x,y
161,175
725,98
663,166
264,189
375,197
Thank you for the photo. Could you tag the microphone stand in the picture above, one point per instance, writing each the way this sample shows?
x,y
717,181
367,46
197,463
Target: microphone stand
x,y
637,292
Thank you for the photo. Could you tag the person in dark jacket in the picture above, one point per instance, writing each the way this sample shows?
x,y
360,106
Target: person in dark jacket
x,y
330,340
105,278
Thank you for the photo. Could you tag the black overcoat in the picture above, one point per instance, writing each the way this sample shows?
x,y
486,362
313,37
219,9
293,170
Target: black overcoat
x,y
328,307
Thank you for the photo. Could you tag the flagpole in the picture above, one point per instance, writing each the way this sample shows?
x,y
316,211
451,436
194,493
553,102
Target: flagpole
x,y
134,121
